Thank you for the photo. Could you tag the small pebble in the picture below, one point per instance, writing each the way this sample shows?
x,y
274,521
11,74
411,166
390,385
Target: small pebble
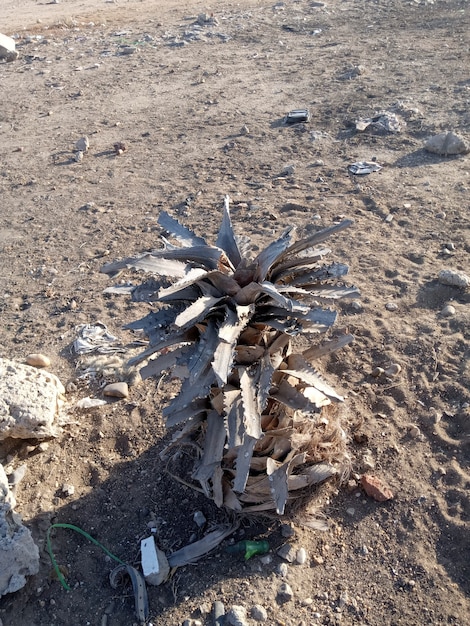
x,y
391,306
393,370
414,431
306,602
67,489
236,616
454,278
116,390
82,144
448,311
301,556
282,569
357,306
200,519
351,512
287,531
287,552
377,371
284,593
317,560
78,156
38,360
450,246
259,613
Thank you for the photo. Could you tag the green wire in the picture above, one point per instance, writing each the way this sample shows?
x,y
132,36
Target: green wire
x,y
85,534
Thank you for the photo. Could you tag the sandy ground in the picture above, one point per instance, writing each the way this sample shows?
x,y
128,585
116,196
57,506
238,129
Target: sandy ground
x,y
199,108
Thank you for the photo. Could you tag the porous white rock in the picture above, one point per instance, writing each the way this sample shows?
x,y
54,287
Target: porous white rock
x,y
454,278
8,49
30,401
19,553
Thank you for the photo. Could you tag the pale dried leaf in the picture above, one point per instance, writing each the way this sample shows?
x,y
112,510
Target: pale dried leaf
x,y
182,234
192,410
234,411
196,311
298,367
292,398
214,442
277,475
327,347
251,413
226,238
267,257
194,551
312,475
315,239
163,362
192,276
245,452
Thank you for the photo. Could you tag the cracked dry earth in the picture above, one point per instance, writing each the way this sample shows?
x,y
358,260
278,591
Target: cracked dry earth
x,y
198,105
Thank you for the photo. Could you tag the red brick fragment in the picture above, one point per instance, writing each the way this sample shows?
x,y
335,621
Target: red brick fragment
x,y
375,488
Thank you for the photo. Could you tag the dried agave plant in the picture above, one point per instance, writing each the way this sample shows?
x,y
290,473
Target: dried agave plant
x,y
252,410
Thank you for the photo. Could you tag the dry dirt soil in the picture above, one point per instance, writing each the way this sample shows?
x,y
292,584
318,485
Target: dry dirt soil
x,y
199,108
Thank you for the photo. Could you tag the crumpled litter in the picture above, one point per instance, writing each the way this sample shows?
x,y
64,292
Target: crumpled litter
x,y
95,338
382,123
360,168
90,403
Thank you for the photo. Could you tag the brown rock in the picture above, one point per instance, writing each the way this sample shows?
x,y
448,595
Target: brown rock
x,y
38,360
116,390
375,488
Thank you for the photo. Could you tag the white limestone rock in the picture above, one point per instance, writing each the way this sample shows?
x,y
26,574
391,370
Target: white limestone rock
x,y
8,49
19,555
30,401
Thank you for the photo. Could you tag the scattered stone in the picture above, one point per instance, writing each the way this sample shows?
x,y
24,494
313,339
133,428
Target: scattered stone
x,y
351,511
8,49
356,306
116,390
287,531
119,147
375,488
284,593
393,370
200,519
448,311
454,278
391,306
414,431
266,559
236,616
83,144
449,246
67,489
287,552
38,360
306,602
317,560
259,613
219,612
447,144
282,569
78,156
90,403
127,50
301,556
20,555
30,402
377,371
155,566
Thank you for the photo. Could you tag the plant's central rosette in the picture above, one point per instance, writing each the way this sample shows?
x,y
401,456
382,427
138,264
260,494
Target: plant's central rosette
x,y
251,408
